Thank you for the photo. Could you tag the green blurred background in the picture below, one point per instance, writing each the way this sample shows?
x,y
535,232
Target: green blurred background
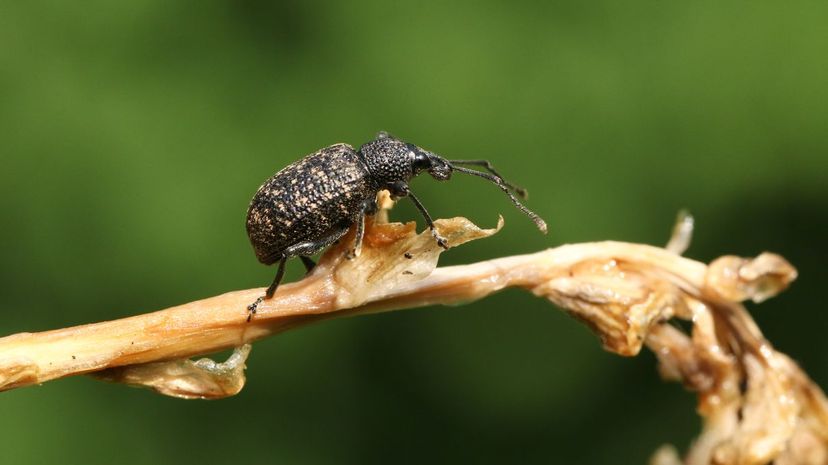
x,y
133,135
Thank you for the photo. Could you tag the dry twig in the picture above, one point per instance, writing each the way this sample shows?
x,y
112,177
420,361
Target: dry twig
x,y
757,404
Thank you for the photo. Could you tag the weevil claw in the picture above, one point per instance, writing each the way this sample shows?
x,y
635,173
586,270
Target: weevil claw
x,y
251,309
441,241
351,254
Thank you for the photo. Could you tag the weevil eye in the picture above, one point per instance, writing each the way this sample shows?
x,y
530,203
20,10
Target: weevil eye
x,y
419,161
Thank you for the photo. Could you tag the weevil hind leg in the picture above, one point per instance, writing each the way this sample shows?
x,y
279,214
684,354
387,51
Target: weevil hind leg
x,y
305,249
280,273
302,250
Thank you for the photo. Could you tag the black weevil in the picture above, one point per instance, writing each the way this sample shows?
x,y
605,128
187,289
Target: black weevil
x,y
313,202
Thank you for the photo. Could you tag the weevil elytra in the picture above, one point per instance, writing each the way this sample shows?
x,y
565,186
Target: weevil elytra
x,y
313,202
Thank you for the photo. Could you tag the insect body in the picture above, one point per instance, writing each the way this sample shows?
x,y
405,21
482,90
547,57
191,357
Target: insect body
x,y
313,202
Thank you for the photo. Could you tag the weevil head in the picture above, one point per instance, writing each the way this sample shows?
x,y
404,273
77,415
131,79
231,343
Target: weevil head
x,y
423,160
390,160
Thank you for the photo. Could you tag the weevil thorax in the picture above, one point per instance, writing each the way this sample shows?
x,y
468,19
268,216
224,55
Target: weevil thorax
x,y
388,160
391,160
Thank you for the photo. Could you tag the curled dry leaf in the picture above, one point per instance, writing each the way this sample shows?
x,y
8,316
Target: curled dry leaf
x,y
184,378
737,279
393,255
615,298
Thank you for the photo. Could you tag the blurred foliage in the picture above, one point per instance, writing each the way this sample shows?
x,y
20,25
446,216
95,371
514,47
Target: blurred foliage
x,y
134,134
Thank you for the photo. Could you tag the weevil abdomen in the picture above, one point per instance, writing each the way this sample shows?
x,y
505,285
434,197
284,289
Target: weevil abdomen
x,y
306,200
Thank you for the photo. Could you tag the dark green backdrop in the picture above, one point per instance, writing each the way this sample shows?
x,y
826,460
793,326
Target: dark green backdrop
x,y
133,134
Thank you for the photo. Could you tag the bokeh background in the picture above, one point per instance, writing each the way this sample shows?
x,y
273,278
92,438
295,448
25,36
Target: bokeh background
x,y
133,134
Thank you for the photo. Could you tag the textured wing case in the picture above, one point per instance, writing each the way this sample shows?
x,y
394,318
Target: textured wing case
x,y
306,199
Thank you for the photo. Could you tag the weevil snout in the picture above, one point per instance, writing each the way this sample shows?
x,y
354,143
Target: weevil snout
x,y
440,169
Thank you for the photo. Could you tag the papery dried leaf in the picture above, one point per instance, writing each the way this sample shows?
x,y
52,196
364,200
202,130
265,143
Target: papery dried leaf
x,y
184,378
393,254
768,418
614,300
737,279
700,369
715,361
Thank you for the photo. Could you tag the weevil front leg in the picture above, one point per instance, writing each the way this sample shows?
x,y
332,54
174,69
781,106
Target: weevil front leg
x,y
401,189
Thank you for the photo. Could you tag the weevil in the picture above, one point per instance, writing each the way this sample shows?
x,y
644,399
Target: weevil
x,y
313,202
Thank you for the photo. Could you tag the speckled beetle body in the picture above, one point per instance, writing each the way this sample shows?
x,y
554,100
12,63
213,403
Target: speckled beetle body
x,y
313,202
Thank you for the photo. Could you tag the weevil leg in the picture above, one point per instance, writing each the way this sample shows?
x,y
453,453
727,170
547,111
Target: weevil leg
x,y
311,247
401,189
308,262
360,234
369,208
441,241
302,250
280,273
398,189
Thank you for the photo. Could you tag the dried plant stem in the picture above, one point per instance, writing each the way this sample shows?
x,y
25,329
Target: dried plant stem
x,y
220,322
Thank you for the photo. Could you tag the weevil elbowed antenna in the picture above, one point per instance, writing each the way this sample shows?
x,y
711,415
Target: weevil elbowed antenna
x,y
487,165
502,184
